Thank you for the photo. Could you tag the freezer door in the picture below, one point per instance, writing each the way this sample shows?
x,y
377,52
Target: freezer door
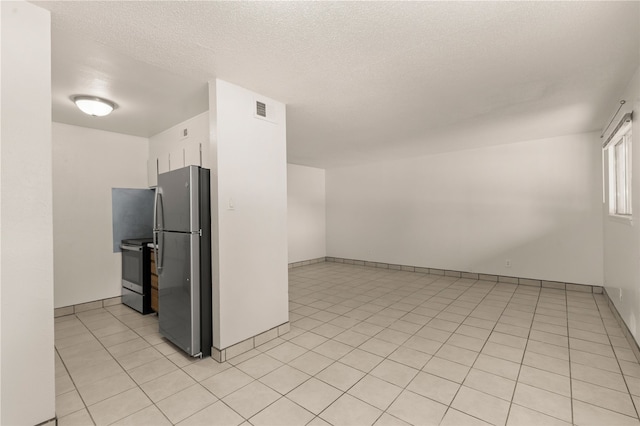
x,y
179,290
177,200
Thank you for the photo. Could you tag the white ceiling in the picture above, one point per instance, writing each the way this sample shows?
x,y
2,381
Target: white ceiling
x,y
363,81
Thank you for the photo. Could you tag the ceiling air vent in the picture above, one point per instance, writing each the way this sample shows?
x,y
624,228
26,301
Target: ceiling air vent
x,y
261,109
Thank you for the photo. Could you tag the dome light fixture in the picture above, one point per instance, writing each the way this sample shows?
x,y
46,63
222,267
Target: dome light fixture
x,y
93,105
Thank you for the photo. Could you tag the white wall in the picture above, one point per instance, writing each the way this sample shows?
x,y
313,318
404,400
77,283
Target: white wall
x,y
621,237
252,293
87,164
172,139
306,212
536,203
26,232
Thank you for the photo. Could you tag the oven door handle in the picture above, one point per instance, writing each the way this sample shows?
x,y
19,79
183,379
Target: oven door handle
x,y
130,247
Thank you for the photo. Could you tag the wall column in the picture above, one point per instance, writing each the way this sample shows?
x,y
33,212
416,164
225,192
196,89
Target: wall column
x,y
27,370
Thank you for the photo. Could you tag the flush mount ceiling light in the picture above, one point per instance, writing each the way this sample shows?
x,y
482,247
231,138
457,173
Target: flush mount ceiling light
x,y
93,105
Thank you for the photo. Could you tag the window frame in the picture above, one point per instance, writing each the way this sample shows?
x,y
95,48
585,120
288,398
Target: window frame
x,y
619,152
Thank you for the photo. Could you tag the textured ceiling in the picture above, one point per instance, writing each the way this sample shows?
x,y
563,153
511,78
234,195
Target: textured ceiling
x,y
363,81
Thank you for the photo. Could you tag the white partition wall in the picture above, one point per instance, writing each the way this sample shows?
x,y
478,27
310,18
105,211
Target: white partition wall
x,y
87,164
622,236
528,209
306,213
251,293
27,391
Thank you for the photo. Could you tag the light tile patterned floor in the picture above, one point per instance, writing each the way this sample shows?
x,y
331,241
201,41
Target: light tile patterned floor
x,y
367,346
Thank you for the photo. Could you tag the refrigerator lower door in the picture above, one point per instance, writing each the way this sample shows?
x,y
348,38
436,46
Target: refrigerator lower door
x,y
179,290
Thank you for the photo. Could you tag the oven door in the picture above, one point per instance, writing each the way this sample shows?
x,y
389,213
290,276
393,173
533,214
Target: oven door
x,y
132,267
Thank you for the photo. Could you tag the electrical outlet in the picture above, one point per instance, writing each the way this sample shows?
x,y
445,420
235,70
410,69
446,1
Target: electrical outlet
x,y
507,263
620,294
185,133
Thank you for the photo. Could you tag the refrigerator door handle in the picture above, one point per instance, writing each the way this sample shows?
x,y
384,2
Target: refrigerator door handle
x,y
155,250
155,228
158,213
155,209
161,212
160,260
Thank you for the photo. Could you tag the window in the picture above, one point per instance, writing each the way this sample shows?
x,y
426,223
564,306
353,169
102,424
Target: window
x,y
619,153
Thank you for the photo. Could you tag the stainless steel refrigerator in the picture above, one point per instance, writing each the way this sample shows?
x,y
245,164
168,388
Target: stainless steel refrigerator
x,y
182,236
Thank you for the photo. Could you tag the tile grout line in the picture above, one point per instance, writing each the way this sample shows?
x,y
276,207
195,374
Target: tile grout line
x,y
431,356
449,406
513,294
539,292
615,354
180,368
452,283
75,387
573,416
313,376
125,370
452,333
494,285
566,303
442,343
596,367
524,352
383,359
387,357
388,294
